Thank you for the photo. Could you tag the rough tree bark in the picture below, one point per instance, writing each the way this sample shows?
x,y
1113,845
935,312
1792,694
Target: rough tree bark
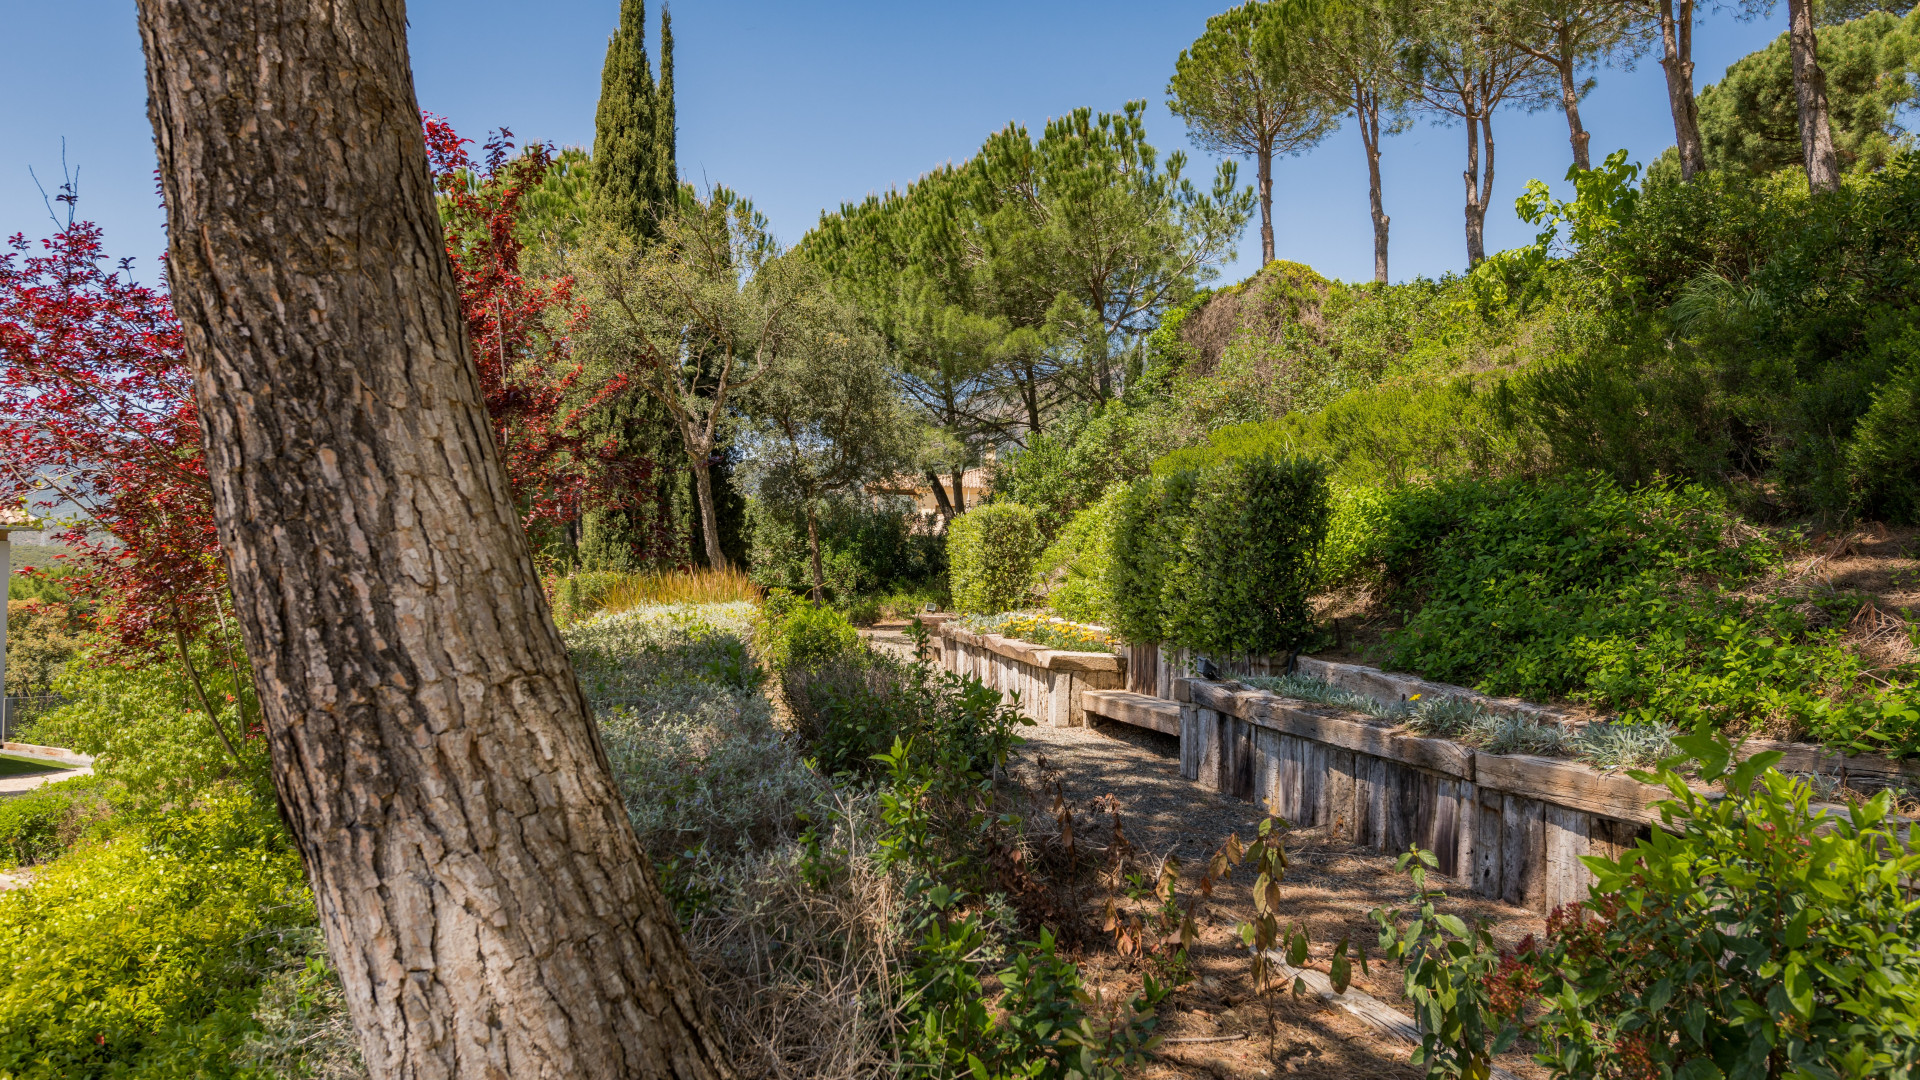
x,y
1479,187
1810,88
1570,104
1367,108
1265,158
482,892
1676,62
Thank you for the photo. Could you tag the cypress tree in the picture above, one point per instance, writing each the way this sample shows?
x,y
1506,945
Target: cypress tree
x,y
666,171
635,182
633,166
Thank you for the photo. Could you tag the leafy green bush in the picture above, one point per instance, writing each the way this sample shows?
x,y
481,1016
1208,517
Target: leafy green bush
x,y
1392,434
991,552
1511,579
1750,936
1883,459
1068,468
42,823
808,636
849,710
1578,587
1146,553
1040,1026
1355,517
581,594
1251,545
42,636
138,955
864,548
145,725
1075,566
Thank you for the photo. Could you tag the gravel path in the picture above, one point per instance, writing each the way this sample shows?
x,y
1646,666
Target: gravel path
x,y
1330,889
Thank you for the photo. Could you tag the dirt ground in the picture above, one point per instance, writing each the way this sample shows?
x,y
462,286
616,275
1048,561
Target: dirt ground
x,y
1330,887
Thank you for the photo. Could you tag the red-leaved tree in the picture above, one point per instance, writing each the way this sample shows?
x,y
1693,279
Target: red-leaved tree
x,y
97,409
535,391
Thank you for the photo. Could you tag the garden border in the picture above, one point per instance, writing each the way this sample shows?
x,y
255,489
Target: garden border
x,y
1512,827
1049,682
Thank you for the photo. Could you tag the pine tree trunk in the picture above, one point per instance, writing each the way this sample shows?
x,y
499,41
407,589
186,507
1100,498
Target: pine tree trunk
x,y
1476,208
1265,157
1676,62
482,892
960,491
1369,116
1570,103
1810,88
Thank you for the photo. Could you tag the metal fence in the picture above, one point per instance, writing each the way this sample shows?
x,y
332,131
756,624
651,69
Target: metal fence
x,y
17,710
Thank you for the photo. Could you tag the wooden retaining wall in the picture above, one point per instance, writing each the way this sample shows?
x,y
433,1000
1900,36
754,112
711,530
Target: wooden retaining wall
x,y
1048,682
1511,827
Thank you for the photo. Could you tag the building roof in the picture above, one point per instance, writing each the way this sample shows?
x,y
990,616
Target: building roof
x,y
14,517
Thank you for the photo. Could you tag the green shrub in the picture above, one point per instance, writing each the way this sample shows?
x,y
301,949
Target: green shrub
x,y
580,595
1883,459
1392,434
1513,580
1075,566
991,552
1066,469
1747,936
1626,598
42,636
1355,517
137,955
812,635
851,709
863,548
1146,553
1251,545
144,724
42,823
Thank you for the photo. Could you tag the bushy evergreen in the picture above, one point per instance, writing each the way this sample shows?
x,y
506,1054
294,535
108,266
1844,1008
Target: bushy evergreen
x,y
991,551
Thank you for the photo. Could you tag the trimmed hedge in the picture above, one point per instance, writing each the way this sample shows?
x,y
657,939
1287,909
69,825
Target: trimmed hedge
x,y
991,552
1222,561
1252,549
1145,553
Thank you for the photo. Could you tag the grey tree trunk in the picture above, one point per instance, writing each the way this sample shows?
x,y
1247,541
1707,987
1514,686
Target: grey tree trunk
x,y
1369,117
813,551
1810,88
709,522
940,495
482,892
1676,62
1570,104
1479,183
1265,157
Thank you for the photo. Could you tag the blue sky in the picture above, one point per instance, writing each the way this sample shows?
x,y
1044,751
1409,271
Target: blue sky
x,y
804,105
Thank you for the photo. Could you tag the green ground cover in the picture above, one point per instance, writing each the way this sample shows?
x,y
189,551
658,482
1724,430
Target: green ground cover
x,y
21,765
